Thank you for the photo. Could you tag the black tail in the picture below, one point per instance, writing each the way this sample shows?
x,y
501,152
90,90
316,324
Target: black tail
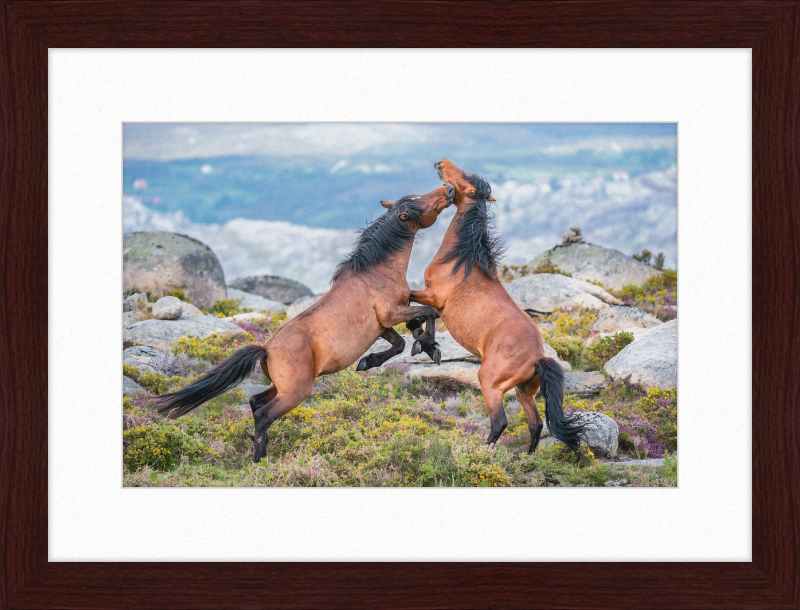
x,y
566,428
216,381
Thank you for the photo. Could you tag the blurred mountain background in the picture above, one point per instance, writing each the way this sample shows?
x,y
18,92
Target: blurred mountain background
x,y
287,199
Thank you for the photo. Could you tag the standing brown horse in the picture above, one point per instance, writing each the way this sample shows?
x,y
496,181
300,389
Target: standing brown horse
x,y
368,297
463,286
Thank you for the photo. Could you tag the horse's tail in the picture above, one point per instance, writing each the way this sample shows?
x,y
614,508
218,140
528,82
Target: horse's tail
x,y
566,428
219,379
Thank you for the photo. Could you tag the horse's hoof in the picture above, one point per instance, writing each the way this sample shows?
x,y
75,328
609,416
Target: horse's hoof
x,y
362,365
416,348
437,356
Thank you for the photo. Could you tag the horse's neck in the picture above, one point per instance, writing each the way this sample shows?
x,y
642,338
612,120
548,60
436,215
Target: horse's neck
x,y
397,263
450,238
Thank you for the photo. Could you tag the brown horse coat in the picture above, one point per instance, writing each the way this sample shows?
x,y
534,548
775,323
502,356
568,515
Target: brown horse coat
x,y
462,285
369,296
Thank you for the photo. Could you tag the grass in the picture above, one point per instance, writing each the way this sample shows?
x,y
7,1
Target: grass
x,y
658,296
509,273
385,429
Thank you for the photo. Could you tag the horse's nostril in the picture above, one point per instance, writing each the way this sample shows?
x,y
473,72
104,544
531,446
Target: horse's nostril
x,y
451,190
437,164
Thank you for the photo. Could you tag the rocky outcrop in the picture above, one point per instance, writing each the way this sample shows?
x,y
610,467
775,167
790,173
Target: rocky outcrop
x,y
272,287
573,237
135,302
300,305
167,308
141,357
130,387
651,360
458,368
246,317
253,301
451,351
163,334
601,434
546,292
187,309
159,262
585,261
623,317
129,317
584,384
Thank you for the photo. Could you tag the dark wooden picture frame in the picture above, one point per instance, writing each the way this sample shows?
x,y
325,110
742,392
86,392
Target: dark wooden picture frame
x,y
29,27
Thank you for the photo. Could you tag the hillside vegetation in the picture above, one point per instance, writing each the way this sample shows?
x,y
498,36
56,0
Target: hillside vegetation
x,y
386,428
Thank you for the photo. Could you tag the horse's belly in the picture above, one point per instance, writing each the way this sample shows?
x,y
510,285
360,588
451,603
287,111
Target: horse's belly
x,y
347,346
464,332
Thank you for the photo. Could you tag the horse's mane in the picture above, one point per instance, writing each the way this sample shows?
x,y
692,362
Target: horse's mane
x,y
475,243
381,238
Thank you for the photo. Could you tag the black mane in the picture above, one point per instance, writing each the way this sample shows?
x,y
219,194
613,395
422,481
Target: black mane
x,y
475,243
381,238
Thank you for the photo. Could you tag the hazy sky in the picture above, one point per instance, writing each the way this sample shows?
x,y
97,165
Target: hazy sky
x,y
231,184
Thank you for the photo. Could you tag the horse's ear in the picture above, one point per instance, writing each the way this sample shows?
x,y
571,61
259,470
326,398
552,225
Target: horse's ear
x,y
491,198
387,204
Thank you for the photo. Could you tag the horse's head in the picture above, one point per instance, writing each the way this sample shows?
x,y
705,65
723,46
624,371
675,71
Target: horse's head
x,y
421,211
468,187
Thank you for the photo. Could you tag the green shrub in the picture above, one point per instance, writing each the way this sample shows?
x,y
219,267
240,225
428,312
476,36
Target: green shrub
x,y
656,296
509,273
178,293
159,446
575,322
606,348
157,383
671,466
569,348
548,266
227,308
213,349
481,475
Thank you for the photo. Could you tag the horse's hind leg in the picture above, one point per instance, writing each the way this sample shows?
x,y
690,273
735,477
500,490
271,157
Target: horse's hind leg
x,y
262,398
526,394
291,385
374,360
494,405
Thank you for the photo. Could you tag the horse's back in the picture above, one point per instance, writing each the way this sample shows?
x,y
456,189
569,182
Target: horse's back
x,y
482,316
338,328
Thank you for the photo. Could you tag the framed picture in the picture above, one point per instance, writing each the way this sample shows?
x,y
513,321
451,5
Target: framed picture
x,y
239,237
33,576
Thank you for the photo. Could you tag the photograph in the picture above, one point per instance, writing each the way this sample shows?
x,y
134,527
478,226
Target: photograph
x,y
400,304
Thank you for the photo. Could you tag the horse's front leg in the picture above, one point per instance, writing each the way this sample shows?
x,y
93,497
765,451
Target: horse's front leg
x,y
372,361
425,297
426,341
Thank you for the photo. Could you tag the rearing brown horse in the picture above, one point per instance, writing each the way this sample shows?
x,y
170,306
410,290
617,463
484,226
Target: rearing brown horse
x,y
368,297
462,285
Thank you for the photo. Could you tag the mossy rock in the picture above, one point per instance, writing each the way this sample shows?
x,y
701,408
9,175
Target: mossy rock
x,y
610,267
159,262
163,334
272,287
